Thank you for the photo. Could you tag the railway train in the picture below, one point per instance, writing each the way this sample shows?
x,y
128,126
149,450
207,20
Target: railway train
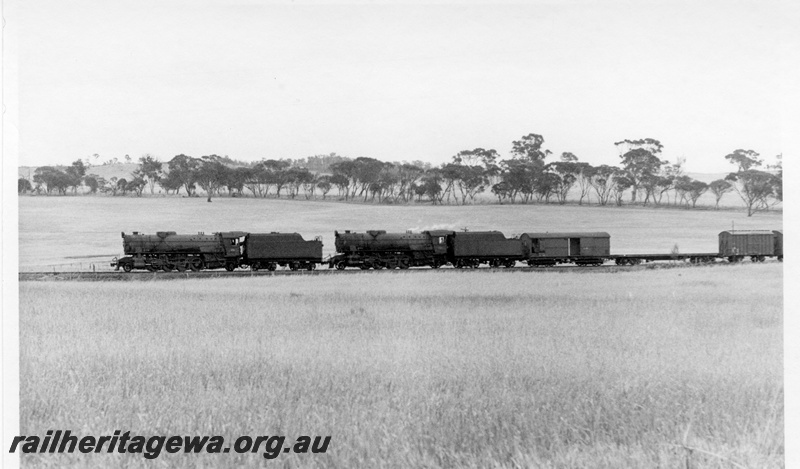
x,y
378,249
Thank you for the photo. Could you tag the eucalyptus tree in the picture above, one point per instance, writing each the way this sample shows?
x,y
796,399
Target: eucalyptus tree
x,y
640,160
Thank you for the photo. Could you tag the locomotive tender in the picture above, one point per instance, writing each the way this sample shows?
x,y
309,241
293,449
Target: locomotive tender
x,y
377,249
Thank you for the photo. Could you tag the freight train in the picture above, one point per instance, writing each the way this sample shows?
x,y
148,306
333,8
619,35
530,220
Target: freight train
x,y
377,249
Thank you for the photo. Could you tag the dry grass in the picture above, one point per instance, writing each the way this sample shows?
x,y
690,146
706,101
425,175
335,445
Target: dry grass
x,y
422,369
52,228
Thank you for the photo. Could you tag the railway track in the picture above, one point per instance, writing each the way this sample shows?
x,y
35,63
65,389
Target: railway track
x,y
143,276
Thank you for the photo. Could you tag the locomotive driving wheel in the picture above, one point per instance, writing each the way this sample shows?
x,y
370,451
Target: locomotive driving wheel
x,y
196,264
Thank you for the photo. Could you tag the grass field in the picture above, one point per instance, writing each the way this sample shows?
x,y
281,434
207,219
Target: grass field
x,y
79,231
420,369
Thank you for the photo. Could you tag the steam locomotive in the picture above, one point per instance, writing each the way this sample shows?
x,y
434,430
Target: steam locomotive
x,y
377,249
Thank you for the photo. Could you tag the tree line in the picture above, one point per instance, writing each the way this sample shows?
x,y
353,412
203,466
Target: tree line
x,y
527,176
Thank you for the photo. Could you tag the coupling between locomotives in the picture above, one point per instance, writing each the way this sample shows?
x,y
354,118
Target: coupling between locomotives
x,y
378,249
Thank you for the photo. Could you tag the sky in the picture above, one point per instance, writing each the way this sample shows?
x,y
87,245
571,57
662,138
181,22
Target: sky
x,y
400,82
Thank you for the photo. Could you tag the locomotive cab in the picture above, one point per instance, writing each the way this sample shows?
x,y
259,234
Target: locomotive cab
x,y
234,243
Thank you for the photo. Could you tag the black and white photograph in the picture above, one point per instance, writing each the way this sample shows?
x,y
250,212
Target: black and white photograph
x,y
408,234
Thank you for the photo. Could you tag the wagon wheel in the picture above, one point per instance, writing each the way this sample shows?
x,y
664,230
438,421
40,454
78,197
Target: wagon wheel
x,y
272,266
340,265
458,264
435,265
230,266
127,267
510,264
255,266
311,266
196,264
294,266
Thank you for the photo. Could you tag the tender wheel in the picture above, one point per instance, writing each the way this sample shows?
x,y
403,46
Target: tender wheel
x,y
403,264
127,267
230,266
435,265
340,265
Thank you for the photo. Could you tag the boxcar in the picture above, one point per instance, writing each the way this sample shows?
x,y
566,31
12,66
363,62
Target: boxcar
x,y
269,250
588,248
736,245
472,248
778,238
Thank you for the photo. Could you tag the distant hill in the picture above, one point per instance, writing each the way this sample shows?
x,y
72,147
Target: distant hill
x,y
707,177
121,170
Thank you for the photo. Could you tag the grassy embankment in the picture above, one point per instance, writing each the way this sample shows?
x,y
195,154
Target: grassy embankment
x,y
431,369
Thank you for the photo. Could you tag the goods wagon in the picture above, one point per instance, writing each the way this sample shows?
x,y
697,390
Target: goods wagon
x,y
472,248
377,249
736,245
778,244
590,248
167,250
269,250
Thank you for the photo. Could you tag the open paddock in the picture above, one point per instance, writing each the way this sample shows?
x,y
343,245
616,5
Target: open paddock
x,y
430,369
